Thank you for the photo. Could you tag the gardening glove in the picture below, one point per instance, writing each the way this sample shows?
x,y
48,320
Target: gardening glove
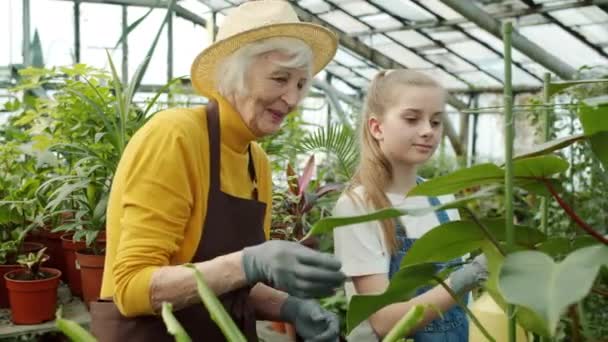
x,y
312,322
470,275
293,268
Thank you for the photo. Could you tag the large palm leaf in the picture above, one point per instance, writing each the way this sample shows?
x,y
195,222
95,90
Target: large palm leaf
x,y
339,141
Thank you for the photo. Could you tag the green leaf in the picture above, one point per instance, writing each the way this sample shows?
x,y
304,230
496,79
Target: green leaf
x,y
173,326
599,146
594,118
328,224
527,318
72,330
216,309
532,279
551,146
557,247
456,238
527,172
401,288
133,26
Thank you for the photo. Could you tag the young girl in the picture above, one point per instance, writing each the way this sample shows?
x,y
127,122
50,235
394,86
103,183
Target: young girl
x,y
401,126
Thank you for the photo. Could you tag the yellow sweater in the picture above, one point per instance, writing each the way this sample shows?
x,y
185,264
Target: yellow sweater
x,y
158,200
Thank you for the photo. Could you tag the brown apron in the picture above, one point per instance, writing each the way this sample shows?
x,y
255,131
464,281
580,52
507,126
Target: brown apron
x,y
231,224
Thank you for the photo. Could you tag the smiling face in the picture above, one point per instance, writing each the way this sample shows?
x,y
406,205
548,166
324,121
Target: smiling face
x,y
272,92
410,130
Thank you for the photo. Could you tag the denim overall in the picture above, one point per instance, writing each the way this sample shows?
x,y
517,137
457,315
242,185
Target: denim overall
x,y
453,327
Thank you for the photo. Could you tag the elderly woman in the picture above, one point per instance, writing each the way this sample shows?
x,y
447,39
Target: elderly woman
x,y
193,186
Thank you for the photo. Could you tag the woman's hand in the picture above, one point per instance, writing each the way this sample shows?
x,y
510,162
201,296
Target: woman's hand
x,y
293,268
312,322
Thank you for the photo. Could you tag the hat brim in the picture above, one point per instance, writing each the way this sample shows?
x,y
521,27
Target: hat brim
x,y
322,41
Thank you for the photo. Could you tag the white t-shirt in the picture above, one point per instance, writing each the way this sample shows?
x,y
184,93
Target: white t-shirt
x,y
362,249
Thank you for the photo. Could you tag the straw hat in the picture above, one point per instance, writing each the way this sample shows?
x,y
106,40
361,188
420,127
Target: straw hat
x,y
256,20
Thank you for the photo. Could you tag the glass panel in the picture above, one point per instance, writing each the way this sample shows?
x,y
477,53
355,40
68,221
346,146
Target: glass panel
x,y
217,4
195,6
444,11
315,6
562,45
140,40
404,56
596,33
339,70
100,30
11,32
473,51
360,82
446,36
411,38
381,21
479,79
520,77
358,8
497,44
446,79
56,36
368,72
451,62
579,16
189,40
404,9
348,59
343,87
344,22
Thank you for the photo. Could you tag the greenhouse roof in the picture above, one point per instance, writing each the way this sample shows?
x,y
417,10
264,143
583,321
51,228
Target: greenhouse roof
x,y
446,38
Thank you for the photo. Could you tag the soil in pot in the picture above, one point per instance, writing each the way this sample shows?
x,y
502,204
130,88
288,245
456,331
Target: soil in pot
x,y
32,301
52,241
11,265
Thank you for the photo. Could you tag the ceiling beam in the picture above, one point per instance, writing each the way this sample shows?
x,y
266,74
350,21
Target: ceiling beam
x,y
179,10
423,24
524,45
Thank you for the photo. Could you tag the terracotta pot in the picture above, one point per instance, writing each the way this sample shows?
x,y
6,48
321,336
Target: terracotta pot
x,y
32,301
290,331
69,256
52,241
91,273
4,269
278,326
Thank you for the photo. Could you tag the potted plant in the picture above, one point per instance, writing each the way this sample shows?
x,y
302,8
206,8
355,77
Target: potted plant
x,y
32,290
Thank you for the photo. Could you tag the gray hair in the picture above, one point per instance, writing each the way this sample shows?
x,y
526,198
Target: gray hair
x,y
230,74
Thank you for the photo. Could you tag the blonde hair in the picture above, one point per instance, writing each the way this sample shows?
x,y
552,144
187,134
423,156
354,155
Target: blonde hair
x,y
231,72
374,172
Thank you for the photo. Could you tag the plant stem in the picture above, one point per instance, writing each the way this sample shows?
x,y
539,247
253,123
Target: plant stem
x,y
573,215
466,309
544,201
405,324
507,29
485,230
574,323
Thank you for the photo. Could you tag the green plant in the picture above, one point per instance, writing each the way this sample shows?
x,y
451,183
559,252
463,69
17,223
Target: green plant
x,y
291,207
32,262
548,298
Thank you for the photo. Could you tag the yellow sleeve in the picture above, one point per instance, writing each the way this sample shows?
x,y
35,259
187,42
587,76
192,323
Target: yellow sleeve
x,y
156,205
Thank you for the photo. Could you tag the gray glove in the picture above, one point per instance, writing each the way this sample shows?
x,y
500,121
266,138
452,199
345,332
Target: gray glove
x,y
469,275
293,268
312,322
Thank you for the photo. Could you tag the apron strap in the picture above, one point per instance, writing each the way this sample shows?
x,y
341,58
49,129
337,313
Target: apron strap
x,y
215,154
